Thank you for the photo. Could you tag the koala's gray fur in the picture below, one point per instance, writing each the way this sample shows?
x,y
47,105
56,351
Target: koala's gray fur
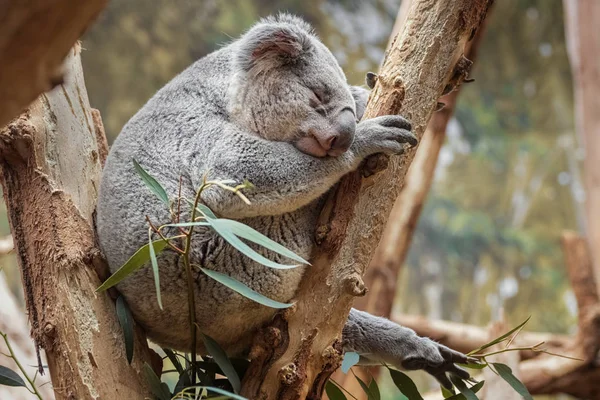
x,y
262,108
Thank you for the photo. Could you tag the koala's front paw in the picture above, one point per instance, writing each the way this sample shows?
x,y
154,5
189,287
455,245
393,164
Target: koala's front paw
x,y
387,134
436,359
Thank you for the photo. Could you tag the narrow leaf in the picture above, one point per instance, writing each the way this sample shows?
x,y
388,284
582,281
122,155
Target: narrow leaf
x,y
447,393
151,183
350,360
8,377
244,290
334,392
218,354
207,212
462,387
365,388
126,322
475,388
499,339
154,263
405,385
374,389
223,230
156,387
137,261
506,374
174,360
246,232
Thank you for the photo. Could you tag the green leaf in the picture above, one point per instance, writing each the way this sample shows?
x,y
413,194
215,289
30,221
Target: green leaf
x,y
174,360
223,228
499,339
334,392
244,290
126,322
246,232
447,393
374,389
506,374
152,184
350,360
137,261
475,388
218,354
156,386
405,385
207,212
8,377
365,388
473,365
155,272
463,388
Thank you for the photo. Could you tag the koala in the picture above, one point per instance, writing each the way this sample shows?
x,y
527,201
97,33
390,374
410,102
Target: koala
x,y
274,108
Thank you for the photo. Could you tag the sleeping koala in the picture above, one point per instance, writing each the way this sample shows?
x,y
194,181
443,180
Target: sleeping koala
x,y
273,108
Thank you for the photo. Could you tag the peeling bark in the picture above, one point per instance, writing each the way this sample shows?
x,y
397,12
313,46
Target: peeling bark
x,y
35,37
414,74
51,166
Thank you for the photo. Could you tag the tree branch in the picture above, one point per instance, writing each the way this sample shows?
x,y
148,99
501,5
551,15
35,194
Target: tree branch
x,y
297,356
35,37
51,169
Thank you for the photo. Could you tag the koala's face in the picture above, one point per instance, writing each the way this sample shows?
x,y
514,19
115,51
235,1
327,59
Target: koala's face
x,y
290,88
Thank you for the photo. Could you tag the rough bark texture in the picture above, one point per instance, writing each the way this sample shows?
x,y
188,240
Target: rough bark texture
x,y
414,74
50,163
35,37
582,18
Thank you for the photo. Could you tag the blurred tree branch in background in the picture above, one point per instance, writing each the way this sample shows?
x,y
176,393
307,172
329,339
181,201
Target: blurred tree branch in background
x,y
35,37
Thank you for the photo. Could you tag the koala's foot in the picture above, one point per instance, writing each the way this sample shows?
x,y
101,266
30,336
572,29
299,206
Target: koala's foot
x,y
379,340
386,134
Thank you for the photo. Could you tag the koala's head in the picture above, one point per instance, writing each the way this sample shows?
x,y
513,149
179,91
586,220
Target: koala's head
x,y
289,87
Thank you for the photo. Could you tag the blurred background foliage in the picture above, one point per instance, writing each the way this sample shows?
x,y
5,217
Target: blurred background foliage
x,y
508,178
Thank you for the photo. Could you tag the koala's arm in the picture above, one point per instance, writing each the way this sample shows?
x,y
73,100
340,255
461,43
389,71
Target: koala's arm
x,y
380,341
284,178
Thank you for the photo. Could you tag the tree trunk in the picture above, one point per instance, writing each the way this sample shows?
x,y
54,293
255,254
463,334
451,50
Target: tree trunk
x,y
50,159
582,18
296,355
35,37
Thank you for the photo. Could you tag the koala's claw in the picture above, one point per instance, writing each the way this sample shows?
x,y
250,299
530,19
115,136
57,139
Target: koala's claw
x,y
438,360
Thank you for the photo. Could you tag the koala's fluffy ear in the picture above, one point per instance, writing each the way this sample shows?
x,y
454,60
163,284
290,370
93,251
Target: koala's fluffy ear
x,y
269,45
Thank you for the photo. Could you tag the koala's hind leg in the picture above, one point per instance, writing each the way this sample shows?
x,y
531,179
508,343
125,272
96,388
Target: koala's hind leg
x,y
379,340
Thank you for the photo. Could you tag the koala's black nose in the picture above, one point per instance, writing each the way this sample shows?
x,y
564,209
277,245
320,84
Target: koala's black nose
x,y
345,125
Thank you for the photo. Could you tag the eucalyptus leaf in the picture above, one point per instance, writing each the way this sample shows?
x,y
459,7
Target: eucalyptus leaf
x,y
220,357
8,377
246,232
405,385
224,393
334,392
350,360
126,322
499,339
137,261
151,183
475,388
244,290
156,386
374,389
463,388
506,374
174,360
155,272
222,228
365,388
447,393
